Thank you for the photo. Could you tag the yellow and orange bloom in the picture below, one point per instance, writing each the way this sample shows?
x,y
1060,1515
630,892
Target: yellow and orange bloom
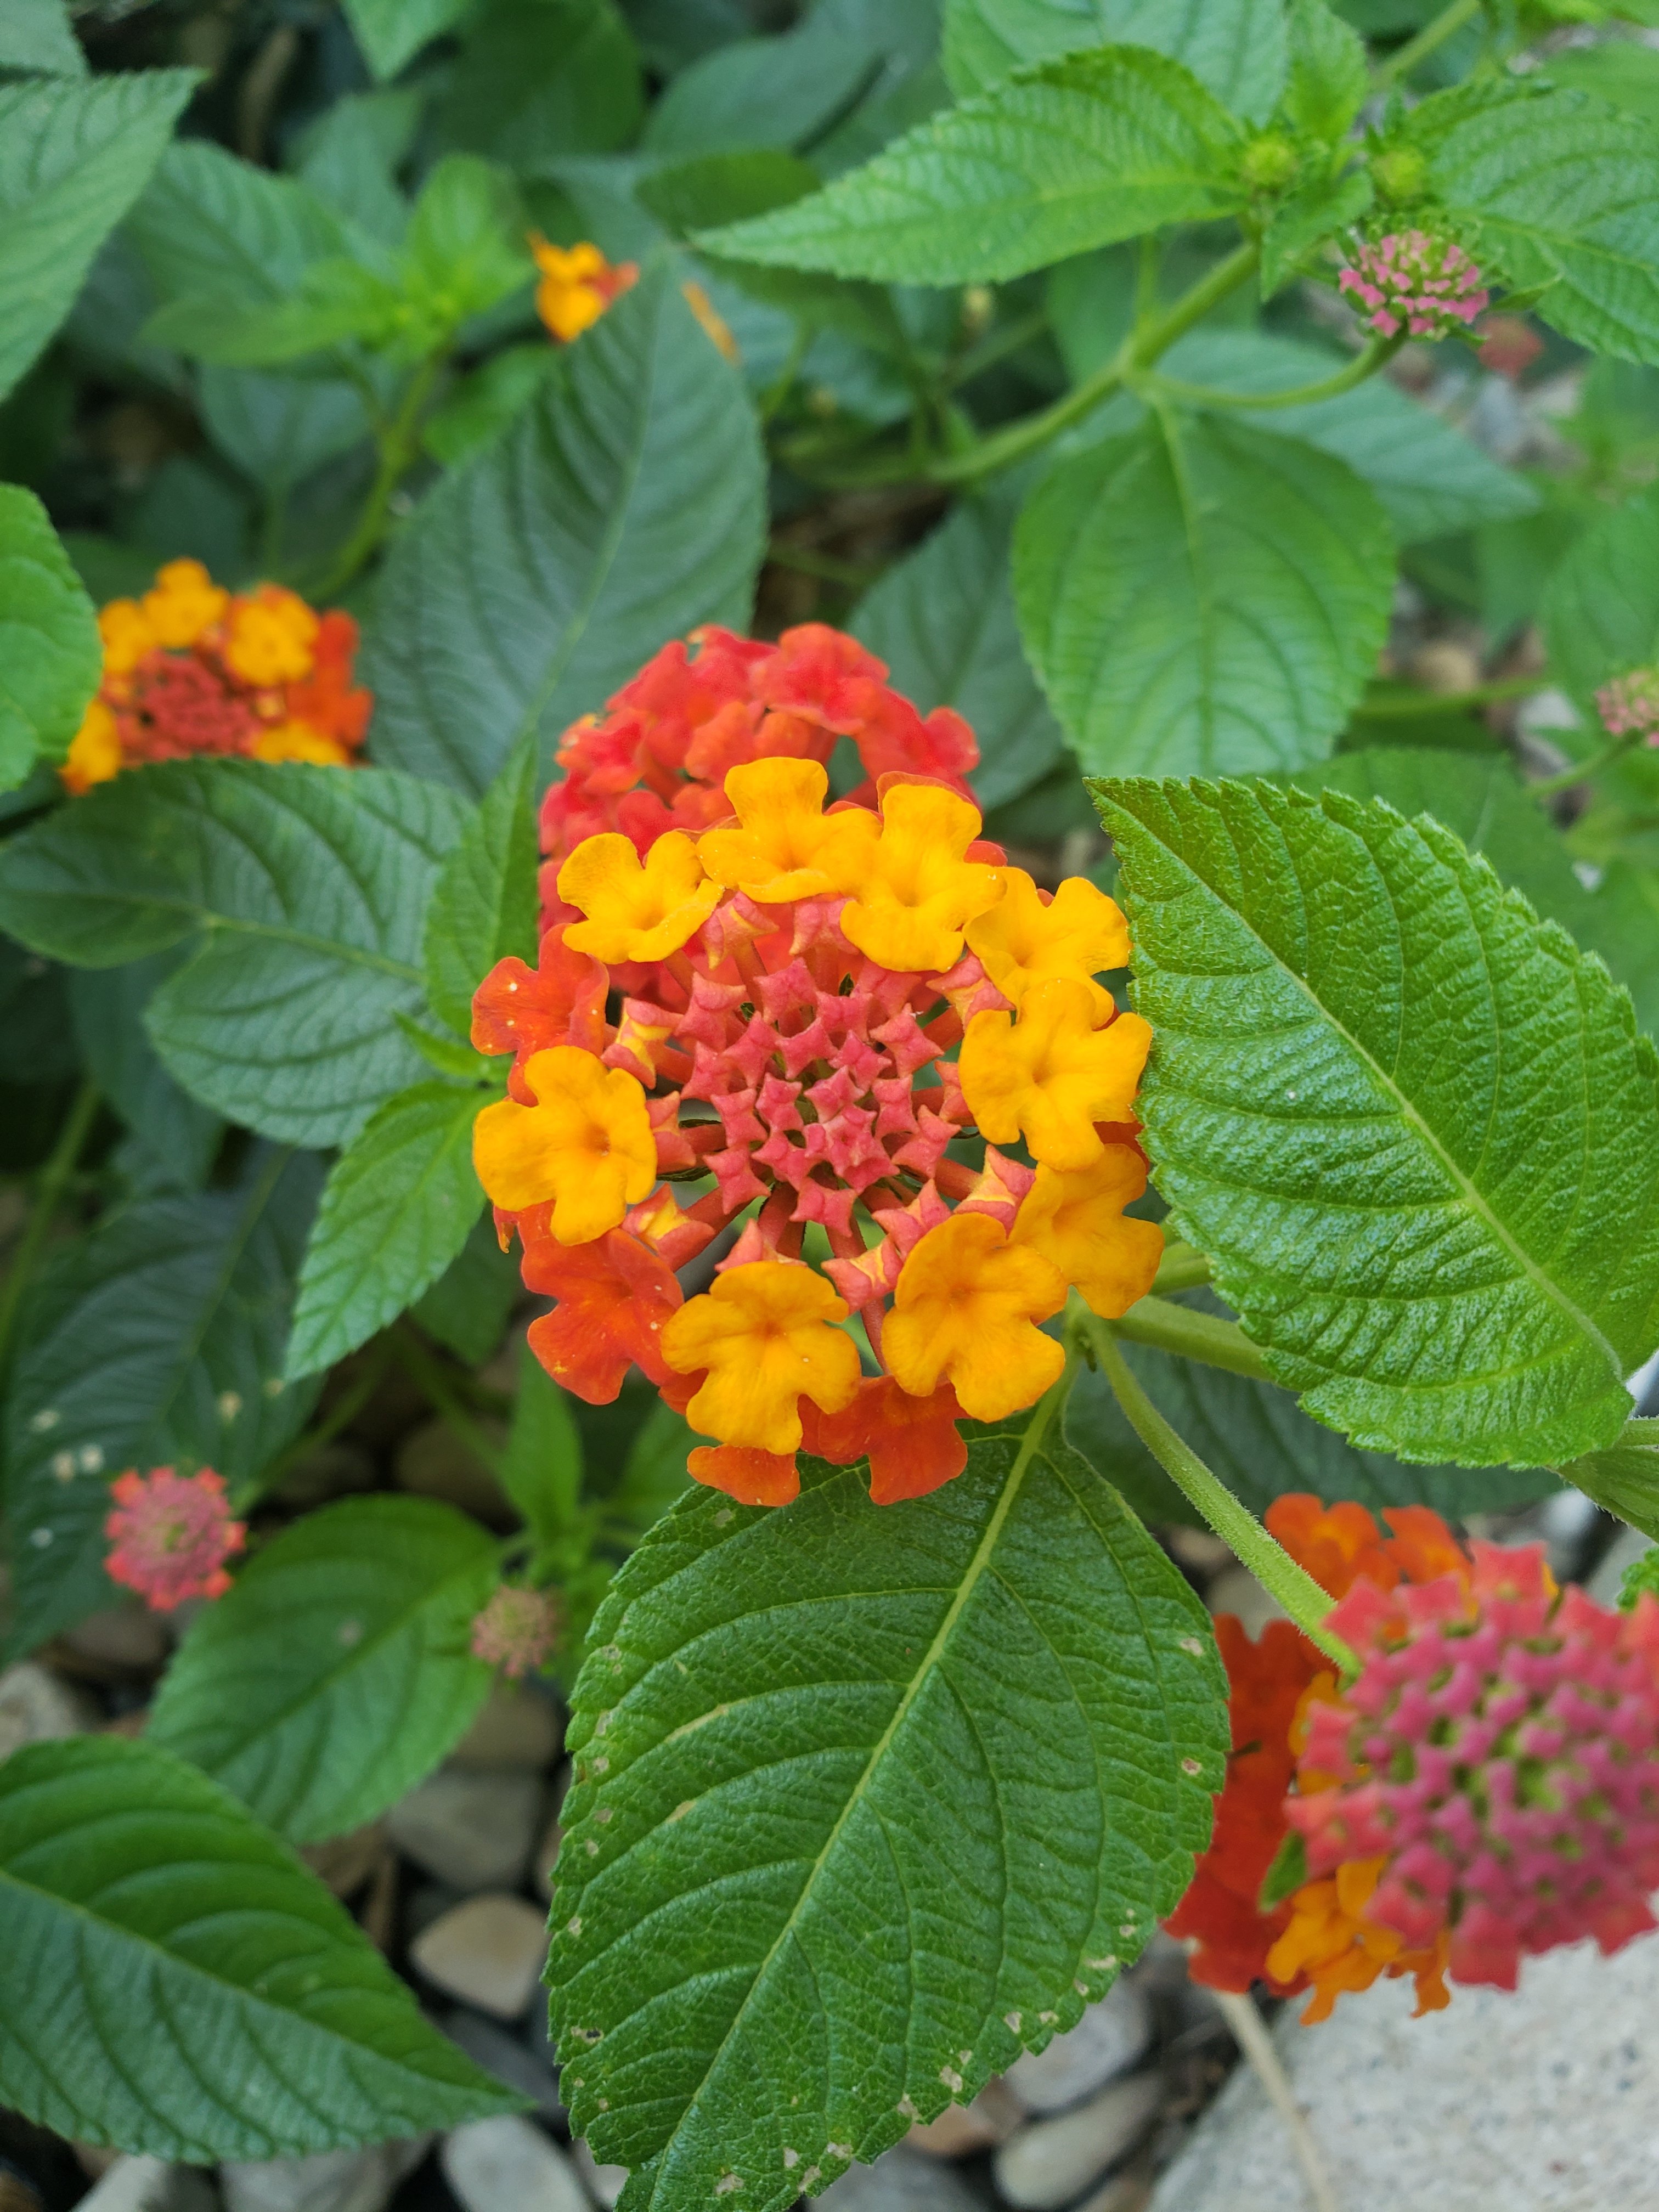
x,y
1051,1071
786,847
635,909
965,1312
917,890
585,1144
763,1339
1075,1219
577,285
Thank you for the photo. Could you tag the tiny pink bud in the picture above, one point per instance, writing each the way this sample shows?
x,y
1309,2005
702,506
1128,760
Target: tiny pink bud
x,y
517,1630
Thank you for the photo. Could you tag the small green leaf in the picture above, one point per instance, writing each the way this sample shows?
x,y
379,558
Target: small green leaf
x,y
1313,211
38,36
465,248
1235,47
806,1739
396,1208
173,1981
1601,608
339,1670
770,92
483,404
484,904
392,32
277,428
1413,1127
1069,156
51,658
466,1309
1200,596
1286,1875
542,1467
1623,1478
1329,79
337,300
211,227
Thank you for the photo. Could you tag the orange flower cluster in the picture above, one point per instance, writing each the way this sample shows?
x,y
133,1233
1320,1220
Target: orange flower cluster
x,y
192,668
577,284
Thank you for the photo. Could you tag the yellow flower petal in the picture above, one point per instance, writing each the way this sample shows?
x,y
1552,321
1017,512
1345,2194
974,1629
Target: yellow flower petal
x,y
1021,943
184,602
1049,1074
1075,1219
788,847
635,910
765,1334
964,1311
298,741
126,630
585,1144
94,753
269,636
916,892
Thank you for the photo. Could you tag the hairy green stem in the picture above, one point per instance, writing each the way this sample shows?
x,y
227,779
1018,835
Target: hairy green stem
x,y
1582,770
1237,1528
1303,395
48,1197
1401,63
1181,1268
398,443
1451,702
1201,1336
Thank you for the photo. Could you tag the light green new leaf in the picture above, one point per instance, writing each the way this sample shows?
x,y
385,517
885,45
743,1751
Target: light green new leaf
x,y
1624,1478
396,1208
1069,156
74,155
1200,596
943,620
1327,80
624,507
1414,1126
865,1800
339,1670
392,32
155,1340
37,35
302,891
1313,210
173,1981
484,903
465,250
1234,47
542,1466
51,658
1601,608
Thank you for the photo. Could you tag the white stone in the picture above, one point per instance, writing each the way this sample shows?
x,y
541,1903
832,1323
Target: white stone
x,y
1545,2100
37,1706
604,2182
328,2181
508,2059
507,2165
1235,1590
151,2185
514,1727
472,1830
487,1952
902,2180
1050,2162
1105,2042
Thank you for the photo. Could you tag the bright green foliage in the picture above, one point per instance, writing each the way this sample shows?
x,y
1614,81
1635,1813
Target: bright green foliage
x,y
1412,1127
303,892
208,1998
1624,1479
1235,47
392,32
906,1786
542,1467
1069,156
74,155
483,405
1314,210
1601,608
50,656
396,1210
623,507
155,1340
37,35
483,905
339,1669
1197,594
464,249
1328,76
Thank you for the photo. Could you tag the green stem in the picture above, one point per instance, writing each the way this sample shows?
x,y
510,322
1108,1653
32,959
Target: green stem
x,y
996,345
48,1197
779,389
854,574
1401,63
1303,395
1201,1336
398,443
1449,702
1237,1528
428,1375
1582,770
1181,1268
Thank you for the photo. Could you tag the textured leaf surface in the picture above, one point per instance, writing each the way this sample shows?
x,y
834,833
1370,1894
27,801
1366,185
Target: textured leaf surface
x,y
212,227
339,1669
51,658
1198,596
1070,155
484,904
74,155
155,1340
303,891
1235,47
865,1801
396,1210
1413,1127
1624,1479
1601,606
624,508
175,1981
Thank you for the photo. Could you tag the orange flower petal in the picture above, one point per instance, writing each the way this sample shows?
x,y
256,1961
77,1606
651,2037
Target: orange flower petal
x,y
587,1144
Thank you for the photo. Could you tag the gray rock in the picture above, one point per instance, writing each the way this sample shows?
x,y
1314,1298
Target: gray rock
x,y
488,1952
507,2058
37,1706
1105,2042
1235,1590
514,1727
472,1830
1545,2100
1050,2162
902,2180
604,2182
507,2165
330,2181
962,2128
151,2185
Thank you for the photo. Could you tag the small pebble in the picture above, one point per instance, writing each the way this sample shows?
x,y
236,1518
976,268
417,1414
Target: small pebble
x,y
902,2180
37,1706
472,1830
604,2182
514,1727
488,1952
507,2164
328,2181
1105,2042
1050,2162
151,2185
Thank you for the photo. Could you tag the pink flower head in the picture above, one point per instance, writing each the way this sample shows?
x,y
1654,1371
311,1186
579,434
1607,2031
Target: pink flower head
x,y
1497,1760
1629,706
517,1630
1414,281
170,1536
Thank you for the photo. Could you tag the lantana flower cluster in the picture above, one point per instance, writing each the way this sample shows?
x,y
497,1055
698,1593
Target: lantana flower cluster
x,y
170,1534
517,1630
194,668
1486,1788
1629,705
843,1025
575,284
1414,282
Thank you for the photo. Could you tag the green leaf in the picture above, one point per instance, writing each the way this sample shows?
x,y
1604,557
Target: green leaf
x,y
777,92
173,1981
540,77
348,303
903,1786
1069,156
624,508
392,32
277,429
301,892
542,1466
74,155
51,658
1600,611
353,153
717,188
1329,79
1235,47
213,227
1313,211
943,620
484,905
1414,1126
396,1208
465,250
37,35
156,1339
108,1006
1200,595
1624,1478
466,1309
483,405
1619,71
339,1670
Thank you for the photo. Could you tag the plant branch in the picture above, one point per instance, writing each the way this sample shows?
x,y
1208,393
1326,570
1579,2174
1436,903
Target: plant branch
x,y
48,1197
1250,2033
1363,365
1405,59
1581,771
1202,1336
1442,702
398,443
996,345
1181,1268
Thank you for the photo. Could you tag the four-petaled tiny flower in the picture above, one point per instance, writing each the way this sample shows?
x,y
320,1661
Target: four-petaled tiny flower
x,y
518,1629
1414,282
577,285
170,1536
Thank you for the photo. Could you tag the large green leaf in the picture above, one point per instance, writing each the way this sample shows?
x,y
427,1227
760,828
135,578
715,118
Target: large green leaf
x,y
108,1006
943,620
339,1669
624,507
1414,1126
175,1981
541,77
865,1800
1235,47
392,32
396,1208
277,428
302,891
74,155
484,903
155,1340
213,227
1198,596
51,658
1069,156
1601,606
